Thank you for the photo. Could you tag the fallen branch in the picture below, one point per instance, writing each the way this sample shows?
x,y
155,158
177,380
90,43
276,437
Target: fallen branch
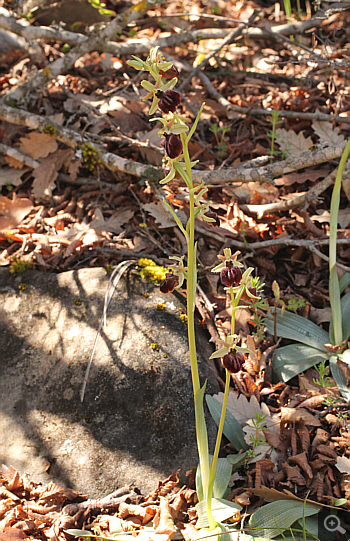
x,y
23,29
66,62
17,155
268,172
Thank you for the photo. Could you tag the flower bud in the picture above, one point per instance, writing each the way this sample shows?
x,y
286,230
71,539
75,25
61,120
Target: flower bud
x,y
233,361
230,275
172,144
168,101
211,214
170,73
169,284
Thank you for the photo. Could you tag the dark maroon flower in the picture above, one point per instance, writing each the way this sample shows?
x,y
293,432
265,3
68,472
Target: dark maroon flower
x,y
233,361
168,285
230,275
211,214
168,100
170,73
172,144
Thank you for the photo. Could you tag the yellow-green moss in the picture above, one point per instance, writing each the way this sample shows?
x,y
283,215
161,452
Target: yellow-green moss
x,y
151,271
91,157
50,130
18,266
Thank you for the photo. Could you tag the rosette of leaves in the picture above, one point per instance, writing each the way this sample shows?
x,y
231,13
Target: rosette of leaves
x,y
310,347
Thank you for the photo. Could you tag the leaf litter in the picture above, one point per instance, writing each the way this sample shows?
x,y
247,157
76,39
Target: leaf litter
x,y
75,216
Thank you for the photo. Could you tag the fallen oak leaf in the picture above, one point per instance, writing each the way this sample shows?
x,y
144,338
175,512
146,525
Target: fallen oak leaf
x,y
38,145
12,211
293,415
292,143
112,224
47,172
10,176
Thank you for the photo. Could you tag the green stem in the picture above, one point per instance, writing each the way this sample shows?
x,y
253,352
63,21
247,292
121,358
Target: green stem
x,y
201,431
334,291
235,301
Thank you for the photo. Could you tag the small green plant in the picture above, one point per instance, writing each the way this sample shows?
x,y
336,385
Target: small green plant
x,y
101,7
295,303
323,378
258,307
18,266
219,134
274,122
259,423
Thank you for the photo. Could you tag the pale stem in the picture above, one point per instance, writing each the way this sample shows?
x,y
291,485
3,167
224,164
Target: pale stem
x,y
235,301
202,439
334,291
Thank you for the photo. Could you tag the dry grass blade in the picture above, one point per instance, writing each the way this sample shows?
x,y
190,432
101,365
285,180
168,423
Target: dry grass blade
x,y
112,284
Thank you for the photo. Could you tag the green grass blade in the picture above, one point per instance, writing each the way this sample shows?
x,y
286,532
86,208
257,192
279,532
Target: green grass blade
x,y
232,429
289,361
298,328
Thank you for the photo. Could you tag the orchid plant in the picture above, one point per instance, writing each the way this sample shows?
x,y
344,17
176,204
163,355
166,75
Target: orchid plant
x,y
176,135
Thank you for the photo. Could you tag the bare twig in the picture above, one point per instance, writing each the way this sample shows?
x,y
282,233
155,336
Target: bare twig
x,y
235,33
326,258
303,200
266,112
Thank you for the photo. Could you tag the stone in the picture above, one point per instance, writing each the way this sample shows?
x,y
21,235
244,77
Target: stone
x,y
136,423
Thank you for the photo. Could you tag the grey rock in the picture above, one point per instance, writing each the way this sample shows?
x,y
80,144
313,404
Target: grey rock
x,y
136,424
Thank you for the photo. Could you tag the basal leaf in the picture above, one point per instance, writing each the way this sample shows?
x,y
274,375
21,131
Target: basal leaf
x,y
222,477
344,282
221,509
338,375
232,429
282,513
289,361
298,328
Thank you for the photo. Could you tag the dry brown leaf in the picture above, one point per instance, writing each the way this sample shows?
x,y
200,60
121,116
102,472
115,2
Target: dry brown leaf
x,y
161,214
73,168
114,223
321,437
10,176
12,211
310,175
302,461
293,474
327,133
292,143
292,415
164,523
47,172
38,145
343,464
12,162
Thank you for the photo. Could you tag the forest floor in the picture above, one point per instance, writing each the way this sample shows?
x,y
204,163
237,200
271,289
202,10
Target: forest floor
x,y
79,170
